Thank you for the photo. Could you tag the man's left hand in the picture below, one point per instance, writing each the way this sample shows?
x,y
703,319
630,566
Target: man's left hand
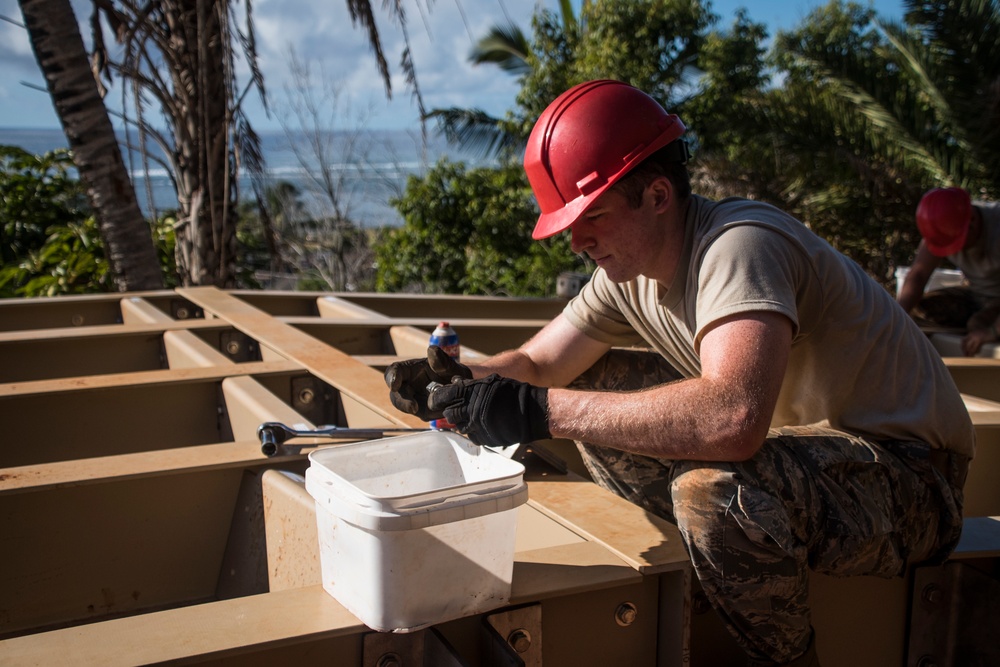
x,y
408,381
494,411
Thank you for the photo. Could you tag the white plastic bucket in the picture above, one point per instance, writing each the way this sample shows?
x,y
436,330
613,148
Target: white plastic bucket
x,y
416,530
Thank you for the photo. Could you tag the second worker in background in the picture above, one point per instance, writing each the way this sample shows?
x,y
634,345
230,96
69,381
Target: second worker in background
x,y
966,233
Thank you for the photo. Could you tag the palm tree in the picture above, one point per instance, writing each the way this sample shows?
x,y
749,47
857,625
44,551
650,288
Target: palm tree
x,y
507,47
58,46
868,116
924,98
620,39
182,54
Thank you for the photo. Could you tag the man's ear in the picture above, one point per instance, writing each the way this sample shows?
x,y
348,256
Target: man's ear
x,y
661,190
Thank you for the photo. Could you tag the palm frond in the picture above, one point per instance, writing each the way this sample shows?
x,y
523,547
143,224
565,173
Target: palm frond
x,y
361,12
505,46
476,130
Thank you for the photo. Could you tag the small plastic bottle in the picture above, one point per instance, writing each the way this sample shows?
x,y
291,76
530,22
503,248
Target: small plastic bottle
x,y
445,338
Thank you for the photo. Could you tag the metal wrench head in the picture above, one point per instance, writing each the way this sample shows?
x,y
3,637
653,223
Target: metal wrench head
x,y
272,436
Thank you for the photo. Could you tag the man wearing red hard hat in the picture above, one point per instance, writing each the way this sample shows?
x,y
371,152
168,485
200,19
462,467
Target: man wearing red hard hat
x,y
765,417
966,233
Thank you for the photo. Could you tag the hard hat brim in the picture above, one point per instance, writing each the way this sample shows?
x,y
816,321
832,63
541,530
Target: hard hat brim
x,y
550,224
950,248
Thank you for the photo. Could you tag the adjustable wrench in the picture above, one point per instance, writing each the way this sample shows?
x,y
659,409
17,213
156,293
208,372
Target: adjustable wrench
x,y
272,435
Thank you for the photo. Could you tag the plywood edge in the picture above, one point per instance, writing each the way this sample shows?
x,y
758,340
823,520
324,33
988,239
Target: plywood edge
x,y
644,541
566,569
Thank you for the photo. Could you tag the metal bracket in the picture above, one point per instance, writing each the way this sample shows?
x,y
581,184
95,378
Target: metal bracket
x,y
425,648
311,398
955,613
182,309
238,346
513,637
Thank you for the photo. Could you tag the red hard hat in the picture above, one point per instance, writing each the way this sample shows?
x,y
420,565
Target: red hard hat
x,y
943,219
585,141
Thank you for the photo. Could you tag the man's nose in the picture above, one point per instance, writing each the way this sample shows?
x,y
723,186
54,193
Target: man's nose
x,y
580,239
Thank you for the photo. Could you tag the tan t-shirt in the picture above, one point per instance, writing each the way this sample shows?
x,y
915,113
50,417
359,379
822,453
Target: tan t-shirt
x,y
980,263
858,363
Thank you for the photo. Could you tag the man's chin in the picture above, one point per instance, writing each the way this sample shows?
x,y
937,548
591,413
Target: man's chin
x,y
617,274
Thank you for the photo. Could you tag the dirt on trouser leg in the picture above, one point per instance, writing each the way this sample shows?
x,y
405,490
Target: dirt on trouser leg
x,y
809,499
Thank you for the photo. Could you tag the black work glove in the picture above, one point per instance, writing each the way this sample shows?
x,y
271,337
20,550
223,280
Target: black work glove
x,y
495,411
408,380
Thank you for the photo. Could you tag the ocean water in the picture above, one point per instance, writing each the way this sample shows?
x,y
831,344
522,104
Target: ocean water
x,y
367,168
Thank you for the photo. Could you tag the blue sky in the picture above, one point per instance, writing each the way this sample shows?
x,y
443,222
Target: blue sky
x,y
322,36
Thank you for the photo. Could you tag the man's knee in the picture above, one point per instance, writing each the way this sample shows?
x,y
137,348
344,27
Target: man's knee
x,y
625,370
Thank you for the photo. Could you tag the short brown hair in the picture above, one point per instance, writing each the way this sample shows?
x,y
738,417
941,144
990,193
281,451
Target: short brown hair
x,y
663,162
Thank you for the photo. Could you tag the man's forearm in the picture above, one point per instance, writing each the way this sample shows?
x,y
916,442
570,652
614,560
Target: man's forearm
x,y
512,364
690,419
913,288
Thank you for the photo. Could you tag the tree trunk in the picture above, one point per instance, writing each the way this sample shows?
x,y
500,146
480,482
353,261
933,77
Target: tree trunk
x,y
62,57
206,167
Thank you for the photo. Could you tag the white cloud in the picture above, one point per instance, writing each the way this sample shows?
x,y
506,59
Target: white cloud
x,y
439,50
324,36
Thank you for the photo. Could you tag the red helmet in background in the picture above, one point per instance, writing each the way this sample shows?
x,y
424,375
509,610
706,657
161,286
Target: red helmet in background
x,y
943,219
585,141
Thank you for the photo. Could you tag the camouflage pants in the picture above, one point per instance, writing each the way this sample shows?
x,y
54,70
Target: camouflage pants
x,y
958,307
809,499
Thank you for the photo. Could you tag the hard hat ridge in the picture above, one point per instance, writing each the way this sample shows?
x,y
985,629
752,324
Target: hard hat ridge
x,y
586,140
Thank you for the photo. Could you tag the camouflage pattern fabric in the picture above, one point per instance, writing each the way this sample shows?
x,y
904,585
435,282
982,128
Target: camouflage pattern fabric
x,y
811,498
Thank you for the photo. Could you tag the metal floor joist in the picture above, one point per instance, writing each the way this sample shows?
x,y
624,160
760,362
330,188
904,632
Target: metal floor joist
x,y
140,522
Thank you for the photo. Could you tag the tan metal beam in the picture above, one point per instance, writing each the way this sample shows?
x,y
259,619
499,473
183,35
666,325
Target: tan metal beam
x,y
185,350
69,334
411,342
100,469
113,380
337,308
249,404
136,309
217,629
350,377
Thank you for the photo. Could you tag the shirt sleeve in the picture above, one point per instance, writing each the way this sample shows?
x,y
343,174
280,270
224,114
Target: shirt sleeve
x,y
597,312
748,268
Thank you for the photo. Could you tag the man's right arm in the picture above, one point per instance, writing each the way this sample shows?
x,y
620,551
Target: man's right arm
x,y
916,280
553,357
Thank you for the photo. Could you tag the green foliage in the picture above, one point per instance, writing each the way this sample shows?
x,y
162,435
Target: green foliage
x,y
36,192
469,231
651,44
721,117
71,261
866,116
49,244
165,242
886,112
